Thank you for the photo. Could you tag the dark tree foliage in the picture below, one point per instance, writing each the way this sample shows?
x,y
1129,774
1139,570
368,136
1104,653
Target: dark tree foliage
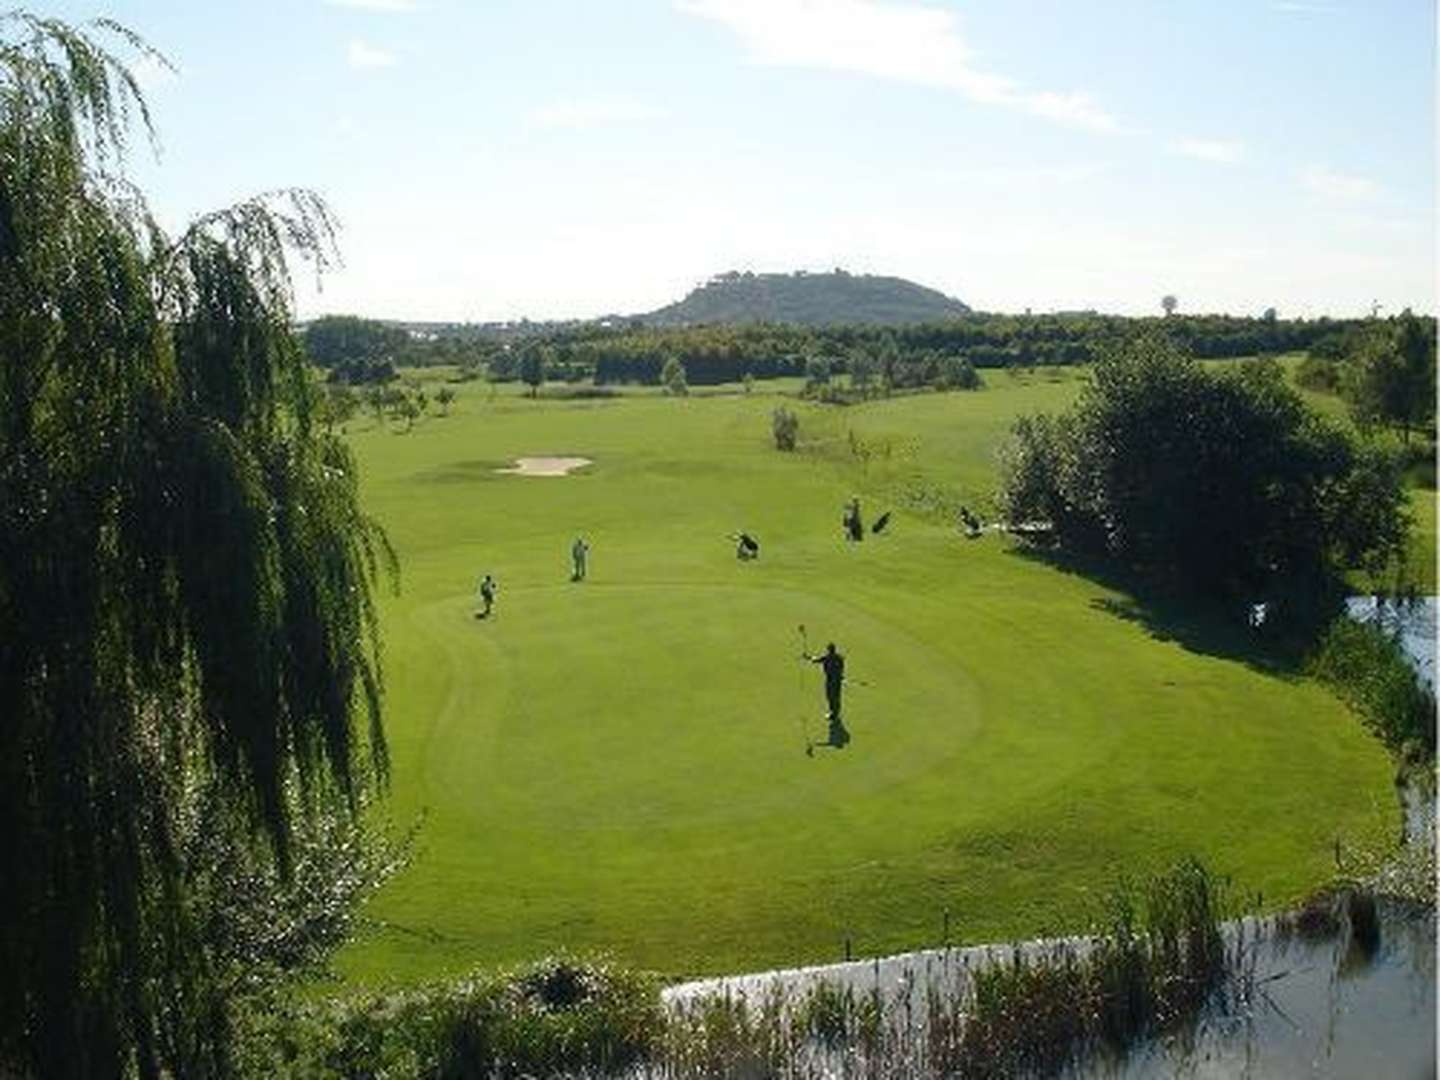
x,y
362,372
337,339
185,573
1223,483
911,355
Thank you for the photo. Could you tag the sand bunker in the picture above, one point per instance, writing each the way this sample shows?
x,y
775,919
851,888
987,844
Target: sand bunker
x,y
546,466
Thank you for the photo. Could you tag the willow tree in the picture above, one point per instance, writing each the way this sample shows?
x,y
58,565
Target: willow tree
x,y
185,573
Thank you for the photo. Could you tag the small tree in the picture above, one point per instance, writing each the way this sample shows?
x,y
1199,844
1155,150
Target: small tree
x,y
532,369
338,405
817,374
1390,378
963,375
407,408
1169,303
443,397
375,400
786,427
862,370
672,377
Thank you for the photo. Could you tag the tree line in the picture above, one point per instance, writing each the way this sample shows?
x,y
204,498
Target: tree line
x,y
900,356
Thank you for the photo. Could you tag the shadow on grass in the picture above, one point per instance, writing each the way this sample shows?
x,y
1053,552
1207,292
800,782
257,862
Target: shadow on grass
x,y
1199,623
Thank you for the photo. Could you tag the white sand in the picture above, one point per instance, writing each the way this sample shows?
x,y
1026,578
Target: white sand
x,y
546,466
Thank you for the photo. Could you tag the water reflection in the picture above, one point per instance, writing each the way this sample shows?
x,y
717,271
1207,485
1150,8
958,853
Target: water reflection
x,y
1328,1007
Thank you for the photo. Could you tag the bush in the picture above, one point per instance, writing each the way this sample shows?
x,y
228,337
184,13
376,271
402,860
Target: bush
x,y
786,427
817,375
672,377
1319,374
955,373
559,1016
1222,484
1368,668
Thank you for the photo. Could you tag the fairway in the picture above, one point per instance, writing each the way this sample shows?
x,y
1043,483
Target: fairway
x,y
618,765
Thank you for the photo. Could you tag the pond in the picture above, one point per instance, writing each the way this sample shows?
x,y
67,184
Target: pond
x,y
1414,622
1315,1008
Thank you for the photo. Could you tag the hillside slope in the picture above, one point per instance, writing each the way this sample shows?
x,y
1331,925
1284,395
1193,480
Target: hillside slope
x,y
808,299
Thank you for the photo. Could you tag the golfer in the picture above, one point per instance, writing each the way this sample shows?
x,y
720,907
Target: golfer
x,y
852,523
579,555
834,666
488,588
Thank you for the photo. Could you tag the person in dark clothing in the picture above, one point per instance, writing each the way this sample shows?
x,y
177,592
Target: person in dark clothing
x,y
746,546
834,666
488,589
969,522
852,523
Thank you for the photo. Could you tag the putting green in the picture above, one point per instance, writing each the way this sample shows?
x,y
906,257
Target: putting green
x,y
619,764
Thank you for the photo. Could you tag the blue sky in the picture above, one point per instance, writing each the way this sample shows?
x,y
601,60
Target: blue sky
x,y
553,158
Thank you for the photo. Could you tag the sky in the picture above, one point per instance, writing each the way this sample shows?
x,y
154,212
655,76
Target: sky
x,y
499,159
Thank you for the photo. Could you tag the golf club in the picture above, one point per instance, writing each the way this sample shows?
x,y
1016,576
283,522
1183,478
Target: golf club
x,y
800,677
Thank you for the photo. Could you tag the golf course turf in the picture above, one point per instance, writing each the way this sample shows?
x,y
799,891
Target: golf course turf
x,y
618,765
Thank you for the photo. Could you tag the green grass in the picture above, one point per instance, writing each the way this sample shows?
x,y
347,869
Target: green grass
x,y
618,765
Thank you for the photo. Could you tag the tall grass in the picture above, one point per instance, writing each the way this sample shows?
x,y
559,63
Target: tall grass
x,y
1154,963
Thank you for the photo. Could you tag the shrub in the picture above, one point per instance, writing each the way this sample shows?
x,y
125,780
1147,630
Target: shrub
x,y
955,373
560,1016
672,378
1319,374
786,427
1367,667
817,375
1225,484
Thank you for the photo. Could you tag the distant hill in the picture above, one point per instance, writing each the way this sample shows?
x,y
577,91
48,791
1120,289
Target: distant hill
x,y
808,300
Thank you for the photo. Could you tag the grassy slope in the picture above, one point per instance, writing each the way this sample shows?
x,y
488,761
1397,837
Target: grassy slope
x,y
618,765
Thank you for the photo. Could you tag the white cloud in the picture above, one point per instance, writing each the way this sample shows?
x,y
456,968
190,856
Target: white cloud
x,y
361,55
1223,151
592,112
907,42
397,6
1342,187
